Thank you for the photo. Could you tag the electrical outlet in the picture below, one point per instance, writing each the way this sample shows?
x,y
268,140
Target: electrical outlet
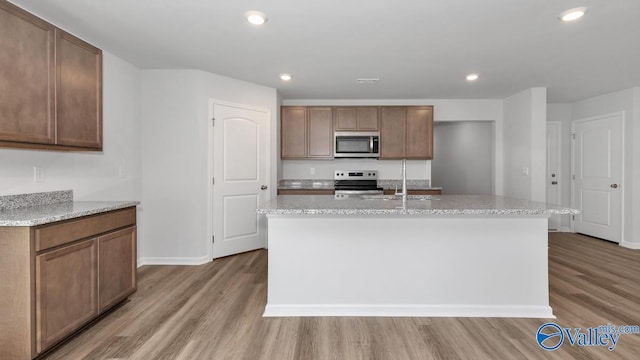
x,y
312,171
525,171
38,174
120,172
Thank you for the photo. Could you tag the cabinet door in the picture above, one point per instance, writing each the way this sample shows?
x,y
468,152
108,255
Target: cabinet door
x,y
78,92
320,135
346,119
116,267
27,69
419,143
392,132
367,118
66,291
293,130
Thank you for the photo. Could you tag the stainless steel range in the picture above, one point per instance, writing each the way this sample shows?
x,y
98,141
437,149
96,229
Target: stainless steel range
x,y
356,183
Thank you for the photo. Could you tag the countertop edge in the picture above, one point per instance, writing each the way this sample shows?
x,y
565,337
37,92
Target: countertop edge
x,y
109,206
518,212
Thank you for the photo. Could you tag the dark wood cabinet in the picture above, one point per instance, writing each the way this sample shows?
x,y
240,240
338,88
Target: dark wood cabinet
x,y
51,93
117,267
306,132
78,92
66,291
293,130
320,134
305,192
406,132
27,70
61,276
393,131
356,118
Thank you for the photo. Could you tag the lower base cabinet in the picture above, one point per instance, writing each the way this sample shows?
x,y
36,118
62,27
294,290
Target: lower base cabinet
x,y
61,276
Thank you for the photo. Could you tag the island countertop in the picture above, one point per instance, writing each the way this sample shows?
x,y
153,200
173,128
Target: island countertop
x,y
429,205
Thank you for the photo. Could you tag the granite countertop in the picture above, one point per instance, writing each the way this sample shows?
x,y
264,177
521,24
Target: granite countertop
x,y
327,184
432,205
43,208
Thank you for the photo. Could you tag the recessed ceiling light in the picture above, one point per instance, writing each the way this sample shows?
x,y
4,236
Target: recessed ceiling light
x,y
472,77
256,17
573,14
367,81
285,77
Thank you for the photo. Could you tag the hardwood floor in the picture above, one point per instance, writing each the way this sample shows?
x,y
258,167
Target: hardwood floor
x,y
214,311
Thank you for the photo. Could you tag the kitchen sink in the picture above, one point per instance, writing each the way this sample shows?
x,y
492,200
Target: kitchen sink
x,y
399,197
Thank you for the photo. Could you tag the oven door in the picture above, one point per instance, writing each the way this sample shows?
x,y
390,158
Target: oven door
x,y
346,194
355,144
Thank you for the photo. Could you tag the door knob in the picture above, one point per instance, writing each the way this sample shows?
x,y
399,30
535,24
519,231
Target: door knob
x,y
263,187
615,186
554,183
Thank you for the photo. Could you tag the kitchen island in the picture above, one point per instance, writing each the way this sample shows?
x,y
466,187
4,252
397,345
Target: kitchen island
x,y
477,256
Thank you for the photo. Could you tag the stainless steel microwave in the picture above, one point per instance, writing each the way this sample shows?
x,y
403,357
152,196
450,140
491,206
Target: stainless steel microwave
x,y
357,145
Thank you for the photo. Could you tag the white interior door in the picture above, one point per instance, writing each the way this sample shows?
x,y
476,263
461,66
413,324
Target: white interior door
x,y
597,167
553,170
240,163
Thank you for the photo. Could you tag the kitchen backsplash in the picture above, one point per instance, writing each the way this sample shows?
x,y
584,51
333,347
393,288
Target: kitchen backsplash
x,y
324,169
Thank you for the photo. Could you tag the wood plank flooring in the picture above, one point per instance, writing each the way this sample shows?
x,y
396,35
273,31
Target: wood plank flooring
x,y
214,311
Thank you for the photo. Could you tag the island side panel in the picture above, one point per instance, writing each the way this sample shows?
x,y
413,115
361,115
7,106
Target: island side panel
x,y
321,265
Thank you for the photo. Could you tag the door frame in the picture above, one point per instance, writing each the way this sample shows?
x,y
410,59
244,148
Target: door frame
x,y
622,176
559,171
210,165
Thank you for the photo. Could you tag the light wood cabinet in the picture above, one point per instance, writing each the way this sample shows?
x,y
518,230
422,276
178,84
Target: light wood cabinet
x,y
306,133
61,276
51,93
406,132
356,118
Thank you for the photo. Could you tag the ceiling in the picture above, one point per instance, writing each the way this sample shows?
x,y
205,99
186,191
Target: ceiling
x,y
419,49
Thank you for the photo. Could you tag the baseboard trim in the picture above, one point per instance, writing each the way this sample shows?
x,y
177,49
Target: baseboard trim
x,y
515,311
173,261
564,229
630,245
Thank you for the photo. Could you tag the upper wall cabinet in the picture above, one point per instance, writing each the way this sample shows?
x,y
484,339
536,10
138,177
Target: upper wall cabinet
x,y
406,132
306,132
51,85
356,118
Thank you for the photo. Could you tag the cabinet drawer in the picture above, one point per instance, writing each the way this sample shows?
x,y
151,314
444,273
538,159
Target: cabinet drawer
x,y
61,233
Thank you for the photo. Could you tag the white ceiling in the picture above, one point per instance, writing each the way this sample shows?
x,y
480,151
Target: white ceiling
x,y
418,48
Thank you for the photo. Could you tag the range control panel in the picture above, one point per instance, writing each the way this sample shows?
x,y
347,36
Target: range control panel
x,y
355,175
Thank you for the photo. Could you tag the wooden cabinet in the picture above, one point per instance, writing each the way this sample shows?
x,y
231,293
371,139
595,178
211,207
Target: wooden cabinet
x,y
61,276
117,267
356,118
406,132
415,192
66,291
305,192
320,135
78,92
306,132
51,93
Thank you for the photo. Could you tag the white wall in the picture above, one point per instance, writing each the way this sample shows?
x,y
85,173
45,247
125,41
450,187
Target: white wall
x,y
562,113
627,101
525,145
91,175
175,112
443,109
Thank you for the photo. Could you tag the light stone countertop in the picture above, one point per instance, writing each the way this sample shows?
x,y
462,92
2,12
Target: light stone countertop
x,y
47,207
435,205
